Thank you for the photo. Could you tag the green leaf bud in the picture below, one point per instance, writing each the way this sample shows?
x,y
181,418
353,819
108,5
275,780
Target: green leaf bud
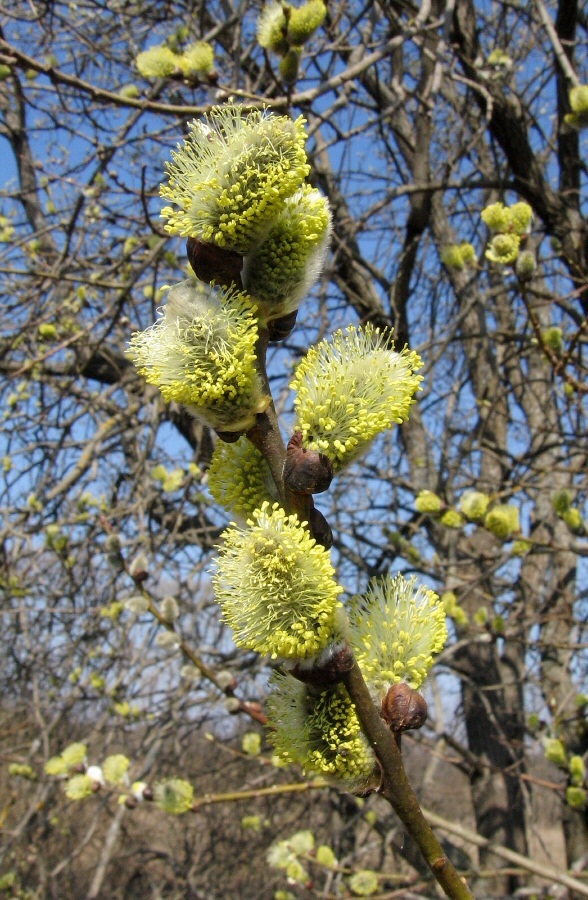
x,y
578,97
296,873
232,175
561,502
499,59
504,249
553,338
304,21
47,332
272,28
197,59
498,625
325,856
74,755
321,733
576,797
452,519
497,217
503,521
275,586
577,770
290,65
573,519
526,265
555,751
395,629
174,796
301,842
521,216
474,505
251,743
350,389
201,353
427,502
451,256
363,883
157,62
519,548
251,823
79,787
5,72
129,92
170,609
21,770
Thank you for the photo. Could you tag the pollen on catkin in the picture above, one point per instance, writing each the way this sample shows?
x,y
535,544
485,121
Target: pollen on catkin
x,y
283,268
275,586
396,628
272,28
232,175
320,733
201,353
350,389
197,59
239,478
304,21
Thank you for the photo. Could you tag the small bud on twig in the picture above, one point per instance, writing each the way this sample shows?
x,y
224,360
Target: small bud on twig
x,y
320,529
325,674
404,709
280,329
212,263
306,471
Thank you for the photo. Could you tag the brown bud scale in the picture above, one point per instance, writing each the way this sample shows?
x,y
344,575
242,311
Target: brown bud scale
x,y
280,329
212,263
403,709
325,675
306,471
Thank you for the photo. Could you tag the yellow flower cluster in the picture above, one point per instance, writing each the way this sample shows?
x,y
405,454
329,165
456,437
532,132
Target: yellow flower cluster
x,y
458,256
578,118
239,478
161,61
396,627
350,389
232,176
510,224
275,586
201,353
320,733
282,269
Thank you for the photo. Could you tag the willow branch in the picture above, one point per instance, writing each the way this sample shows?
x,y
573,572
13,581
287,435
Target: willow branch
x,y
396,788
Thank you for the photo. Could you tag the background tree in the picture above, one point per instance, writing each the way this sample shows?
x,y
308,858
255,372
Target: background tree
x,y
419,118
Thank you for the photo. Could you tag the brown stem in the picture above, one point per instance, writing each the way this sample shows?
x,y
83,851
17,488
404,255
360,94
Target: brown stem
x,y
266,436
396,789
